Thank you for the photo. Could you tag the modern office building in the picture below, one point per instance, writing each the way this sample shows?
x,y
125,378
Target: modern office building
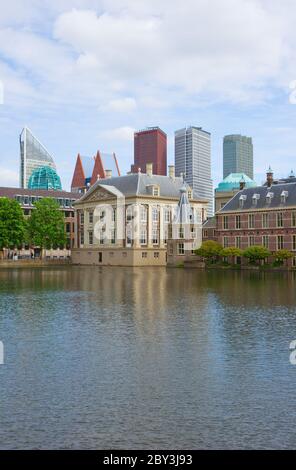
x,y
193,161
238,155
150,146
89,169
125,221
32,155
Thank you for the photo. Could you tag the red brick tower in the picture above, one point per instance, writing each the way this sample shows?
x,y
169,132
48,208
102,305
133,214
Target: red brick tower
x,y
150,146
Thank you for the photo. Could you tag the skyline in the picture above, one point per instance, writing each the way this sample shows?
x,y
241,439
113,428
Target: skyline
x,y
72,81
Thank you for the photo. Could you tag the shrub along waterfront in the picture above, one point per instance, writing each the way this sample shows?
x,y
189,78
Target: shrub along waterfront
x,y
214,254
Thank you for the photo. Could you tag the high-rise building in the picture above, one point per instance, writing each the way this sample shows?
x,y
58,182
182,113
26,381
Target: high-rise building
x,y
32,155
238,155
193,160
150,146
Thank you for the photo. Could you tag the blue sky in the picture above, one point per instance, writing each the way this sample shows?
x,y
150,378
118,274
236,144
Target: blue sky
x,y
84,74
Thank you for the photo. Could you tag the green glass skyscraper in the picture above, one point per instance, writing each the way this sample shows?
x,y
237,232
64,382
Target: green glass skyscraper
x,y
238,155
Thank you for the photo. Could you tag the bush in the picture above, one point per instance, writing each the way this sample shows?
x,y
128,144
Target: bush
x,y
209,250
256,253
282,255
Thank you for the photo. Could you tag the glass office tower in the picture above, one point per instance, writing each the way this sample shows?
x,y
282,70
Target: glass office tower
x,y
238,155
193,159
33,155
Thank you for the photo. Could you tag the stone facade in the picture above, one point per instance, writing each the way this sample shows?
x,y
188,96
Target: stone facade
x,y
125,221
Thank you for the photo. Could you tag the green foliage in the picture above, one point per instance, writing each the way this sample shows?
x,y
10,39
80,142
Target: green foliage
x,y
12,224
209,250
281,256
256,253
46,225
231,252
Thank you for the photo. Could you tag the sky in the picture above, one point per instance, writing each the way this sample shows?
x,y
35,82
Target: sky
x,y
84,74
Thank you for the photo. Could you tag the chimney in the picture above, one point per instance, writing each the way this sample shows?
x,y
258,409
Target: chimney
x,y
98,177
172,171
242,184
149,167
108,174
269,177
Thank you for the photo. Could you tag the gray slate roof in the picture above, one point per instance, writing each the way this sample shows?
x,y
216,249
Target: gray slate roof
x,y
136,185
276,202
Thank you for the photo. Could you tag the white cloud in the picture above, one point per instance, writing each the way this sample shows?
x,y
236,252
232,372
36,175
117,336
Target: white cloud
x,y
120,105
124,133
8,177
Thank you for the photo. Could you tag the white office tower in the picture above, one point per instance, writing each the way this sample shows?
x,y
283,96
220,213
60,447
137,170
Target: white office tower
x,y
193,159
32,155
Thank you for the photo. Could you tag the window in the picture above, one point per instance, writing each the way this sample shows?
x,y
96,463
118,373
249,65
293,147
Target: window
x,y
167,216
113,214
113,236
155,236
143,214
225,242
155,191
181,232
129,213
280,242
90,217
82,238
251,220
265,221
156,255
82,218
225,222
205,234
155,214
181,249
294,243
251,241
144,254
294,262
189,194
265,241
237,242
293,219
101,237
237,221
90,238
143,238
279,219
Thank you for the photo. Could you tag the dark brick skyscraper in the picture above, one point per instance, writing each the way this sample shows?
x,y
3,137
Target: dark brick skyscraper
x,y
150,146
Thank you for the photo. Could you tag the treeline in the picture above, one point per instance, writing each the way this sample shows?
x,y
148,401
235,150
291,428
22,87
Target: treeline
x,y
213,252
43,229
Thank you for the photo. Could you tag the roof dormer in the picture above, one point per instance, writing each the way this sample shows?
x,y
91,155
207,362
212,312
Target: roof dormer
x,y
242,200
284,196
269,197
255,199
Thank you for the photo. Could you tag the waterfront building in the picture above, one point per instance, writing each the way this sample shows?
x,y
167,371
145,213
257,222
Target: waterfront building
x,y
193,161
46,178
209,230
27,198
89,169
238,155
263,215
124,221
33,155
150,146
230,186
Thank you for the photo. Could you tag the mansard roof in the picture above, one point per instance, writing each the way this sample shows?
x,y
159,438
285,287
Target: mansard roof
x,y
137,184
256,198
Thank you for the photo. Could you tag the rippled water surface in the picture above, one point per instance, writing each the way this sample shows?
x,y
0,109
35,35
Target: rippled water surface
x,y
99,358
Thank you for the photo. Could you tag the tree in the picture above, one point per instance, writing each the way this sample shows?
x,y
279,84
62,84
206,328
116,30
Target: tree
x,y
209,250
231,252
46,225
282,255
12,224
256,253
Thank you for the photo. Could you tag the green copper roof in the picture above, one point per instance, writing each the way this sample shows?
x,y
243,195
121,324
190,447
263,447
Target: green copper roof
x,y
45,177
232,182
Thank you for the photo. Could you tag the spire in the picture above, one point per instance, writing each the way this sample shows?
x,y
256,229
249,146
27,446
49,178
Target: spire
x,y
184,211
